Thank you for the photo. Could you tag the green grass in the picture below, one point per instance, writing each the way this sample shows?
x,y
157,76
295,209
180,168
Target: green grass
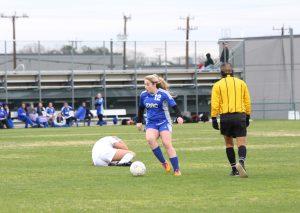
x,y
49,170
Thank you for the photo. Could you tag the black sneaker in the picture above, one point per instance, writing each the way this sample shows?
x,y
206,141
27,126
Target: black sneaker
x,y
124,164
234,173
113,163
241,168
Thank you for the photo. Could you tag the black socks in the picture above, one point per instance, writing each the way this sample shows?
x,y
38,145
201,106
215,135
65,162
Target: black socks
x,y
242,153
231,157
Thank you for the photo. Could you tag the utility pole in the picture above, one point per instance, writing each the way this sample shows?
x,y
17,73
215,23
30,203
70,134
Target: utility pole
x,y
13,18
281,29
126,18
74,43
187,37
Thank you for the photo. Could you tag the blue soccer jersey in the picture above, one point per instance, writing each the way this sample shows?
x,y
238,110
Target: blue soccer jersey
x,y
99,105
50,111
65,111
3,113
157,105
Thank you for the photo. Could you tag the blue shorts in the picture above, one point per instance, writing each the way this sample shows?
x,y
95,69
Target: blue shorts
x,y
160,126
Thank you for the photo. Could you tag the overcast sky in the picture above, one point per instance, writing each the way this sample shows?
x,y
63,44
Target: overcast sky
x,y
151,20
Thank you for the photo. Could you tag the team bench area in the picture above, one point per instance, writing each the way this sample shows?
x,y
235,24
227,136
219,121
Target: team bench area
x,y
108,116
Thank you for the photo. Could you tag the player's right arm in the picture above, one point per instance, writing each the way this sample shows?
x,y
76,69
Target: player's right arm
x,y
120,145
139,121
215,101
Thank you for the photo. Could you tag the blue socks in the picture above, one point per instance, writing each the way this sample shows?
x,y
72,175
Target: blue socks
x,y
175,164
158,154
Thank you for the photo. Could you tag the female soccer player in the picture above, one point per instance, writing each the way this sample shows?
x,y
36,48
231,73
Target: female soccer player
x,y
156,99
111,149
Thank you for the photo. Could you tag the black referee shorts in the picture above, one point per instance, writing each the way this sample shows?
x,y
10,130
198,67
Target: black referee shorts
x,y
233,124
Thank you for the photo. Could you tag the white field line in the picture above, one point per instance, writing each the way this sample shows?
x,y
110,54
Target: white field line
x,y
55,134
9,145
81,134
275,134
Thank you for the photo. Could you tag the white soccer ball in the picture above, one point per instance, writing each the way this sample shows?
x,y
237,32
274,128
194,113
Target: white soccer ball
x,y
137,168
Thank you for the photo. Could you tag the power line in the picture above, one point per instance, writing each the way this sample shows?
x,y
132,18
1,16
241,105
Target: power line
x,y
187,29
13,18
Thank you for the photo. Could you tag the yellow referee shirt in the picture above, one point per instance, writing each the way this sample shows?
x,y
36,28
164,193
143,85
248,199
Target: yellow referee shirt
x,y
230,95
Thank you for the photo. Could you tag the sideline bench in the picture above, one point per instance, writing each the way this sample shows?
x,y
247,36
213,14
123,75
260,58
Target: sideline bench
x,y
108,115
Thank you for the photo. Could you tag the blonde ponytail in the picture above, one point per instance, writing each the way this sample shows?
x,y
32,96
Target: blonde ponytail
x,y
159,81
162,83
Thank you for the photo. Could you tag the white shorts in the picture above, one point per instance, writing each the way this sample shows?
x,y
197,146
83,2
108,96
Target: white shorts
x,y
103,151
105,157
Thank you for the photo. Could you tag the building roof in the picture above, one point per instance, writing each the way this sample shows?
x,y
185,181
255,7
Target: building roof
x,y
256,38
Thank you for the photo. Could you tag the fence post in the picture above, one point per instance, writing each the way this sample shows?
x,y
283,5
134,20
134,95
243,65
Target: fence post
x,y
104,88
135,80
196,79
6,69
292,71
39,70
72,79
104,74
111,54
166,59
244,60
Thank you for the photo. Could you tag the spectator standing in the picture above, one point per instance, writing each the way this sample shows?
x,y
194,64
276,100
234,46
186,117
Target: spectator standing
x,y
225,53
99,107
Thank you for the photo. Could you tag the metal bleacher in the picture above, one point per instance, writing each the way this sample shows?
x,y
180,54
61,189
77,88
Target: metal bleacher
x,y
85,79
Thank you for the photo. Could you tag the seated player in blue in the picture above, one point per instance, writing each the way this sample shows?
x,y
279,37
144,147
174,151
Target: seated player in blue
x,y
59,121
9,120
23,115
42,118
84,114
88,115
80,113
3,117
155,99
68,113
50,113
34,116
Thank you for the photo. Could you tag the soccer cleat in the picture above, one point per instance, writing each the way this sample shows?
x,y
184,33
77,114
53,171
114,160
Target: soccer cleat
x,y
124,164
177,172
166,166
113,163
242,171
234,173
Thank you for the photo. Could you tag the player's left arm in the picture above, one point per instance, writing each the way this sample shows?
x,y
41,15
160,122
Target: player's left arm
x,y
247,100
174,106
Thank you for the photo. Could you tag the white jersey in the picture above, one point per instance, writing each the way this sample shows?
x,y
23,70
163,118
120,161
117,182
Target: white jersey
x,y
103,150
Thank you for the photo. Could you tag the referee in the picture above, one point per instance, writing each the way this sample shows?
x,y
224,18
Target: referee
x,y
231,100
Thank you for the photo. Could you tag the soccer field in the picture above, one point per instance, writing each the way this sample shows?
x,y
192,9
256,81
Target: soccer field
x,y
50,170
